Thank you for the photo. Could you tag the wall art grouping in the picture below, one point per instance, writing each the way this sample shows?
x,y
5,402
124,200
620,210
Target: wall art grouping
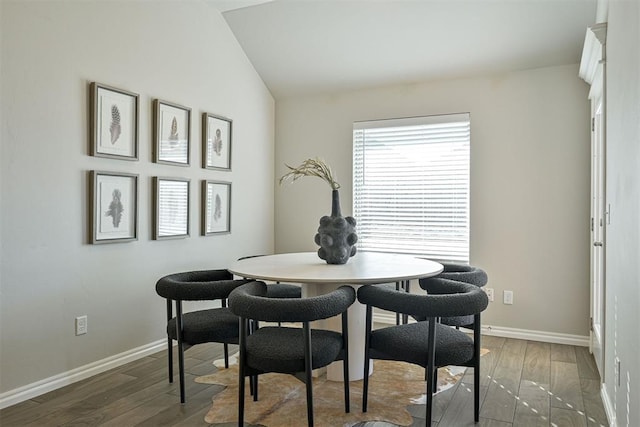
x,y
113,196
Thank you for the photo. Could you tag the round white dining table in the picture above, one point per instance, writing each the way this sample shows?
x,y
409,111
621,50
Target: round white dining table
x,y
318,277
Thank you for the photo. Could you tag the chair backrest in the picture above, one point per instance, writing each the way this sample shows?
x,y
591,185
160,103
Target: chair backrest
x,y
464,273
445,298
250,301
197,285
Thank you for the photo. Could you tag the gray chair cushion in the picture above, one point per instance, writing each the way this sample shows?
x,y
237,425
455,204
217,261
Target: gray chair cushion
x,y
213,325
271,349
408,343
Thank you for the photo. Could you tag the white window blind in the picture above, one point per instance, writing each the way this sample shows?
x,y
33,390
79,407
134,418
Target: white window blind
x,y
411,186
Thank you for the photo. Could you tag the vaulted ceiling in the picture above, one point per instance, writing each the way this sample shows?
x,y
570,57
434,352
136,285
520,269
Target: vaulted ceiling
x,y
318,46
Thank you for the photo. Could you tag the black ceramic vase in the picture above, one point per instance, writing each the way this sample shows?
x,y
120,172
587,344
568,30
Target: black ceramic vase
x,y
336,235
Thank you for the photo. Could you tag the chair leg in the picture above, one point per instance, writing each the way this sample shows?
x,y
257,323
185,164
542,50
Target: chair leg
x,y
429,396
476,366
180,350
431,357
241,372
435,380
170,358
345,362
308,372
406,286
226,355
398,286
367,360
254,380
170,342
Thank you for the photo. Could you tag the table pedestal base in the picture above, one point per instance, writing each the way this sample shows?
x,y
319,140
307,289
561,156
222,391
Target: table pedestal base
x,y
356,329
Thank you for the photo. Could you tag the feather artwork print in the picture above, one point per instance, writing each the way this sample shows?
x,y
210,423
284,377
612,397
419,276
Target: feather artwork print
x,y
115,129
173,135
115,208
217,209
217,143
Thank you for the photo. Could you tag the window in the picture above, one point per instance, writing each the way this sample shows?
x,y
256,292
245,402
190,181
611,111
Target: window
x,y
411,186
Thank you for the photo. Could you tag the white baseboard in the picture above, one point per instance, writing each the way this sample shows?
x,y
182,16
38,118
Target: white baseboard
x,y
608,406
46,385
543,336
501,331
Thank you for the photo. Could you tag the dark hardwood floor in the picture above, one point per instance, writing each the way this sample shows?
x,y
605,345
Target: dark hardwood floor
x,y
524,383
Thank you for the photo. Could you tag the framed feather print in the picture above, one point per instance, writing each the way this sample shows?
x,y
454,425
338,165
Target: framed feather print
x,y
171,208
172,133
114,207
114,122
216,142
216,207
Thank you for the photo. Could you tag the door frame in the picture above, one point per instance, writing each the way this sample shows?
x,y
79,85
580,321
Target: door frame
x,y
593,71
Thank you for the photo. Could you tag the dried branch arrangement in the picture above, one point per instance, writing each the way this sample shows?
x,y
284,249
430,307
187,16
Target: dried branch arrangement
x,y
311,167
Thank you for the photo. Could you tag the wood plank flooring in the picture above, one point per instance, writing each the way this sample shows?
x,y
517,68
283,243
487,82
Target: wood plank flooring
x,y
523,383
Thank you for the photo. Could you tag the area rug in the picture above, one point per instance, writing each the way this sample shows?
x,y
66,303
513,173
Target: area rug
x,y
282,398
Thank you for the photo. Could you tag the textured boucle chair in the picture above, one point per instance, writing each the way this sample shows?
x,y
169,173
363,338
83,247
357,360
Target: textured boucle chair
x,y
428,343
462,273
289,350
197,327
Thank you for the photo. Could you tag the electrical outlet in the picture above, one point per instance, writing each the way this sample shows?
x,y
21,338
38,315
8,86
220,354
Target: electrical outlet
x,y
508,297
489,292
81,325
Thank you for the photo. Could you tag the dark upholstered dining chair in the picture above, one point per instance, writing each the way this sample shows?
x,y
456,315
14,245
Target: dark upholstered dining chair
x,y
462,273
197,327
429,343
289,350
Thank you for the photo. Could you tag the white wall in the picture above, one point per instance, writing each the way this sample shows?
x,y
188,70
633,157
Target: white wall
x,y
181,52
529,181
623,195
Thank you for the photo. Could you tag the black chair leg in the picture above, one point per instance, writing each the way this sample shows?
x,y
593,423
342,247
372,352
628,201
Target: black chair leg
x,y
170,358
431,359
254,380
345,363
406,286
241,401
308,372
398,285
476,393
170,342
435,380
226,355
477,337
180,350
367,360
241,372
